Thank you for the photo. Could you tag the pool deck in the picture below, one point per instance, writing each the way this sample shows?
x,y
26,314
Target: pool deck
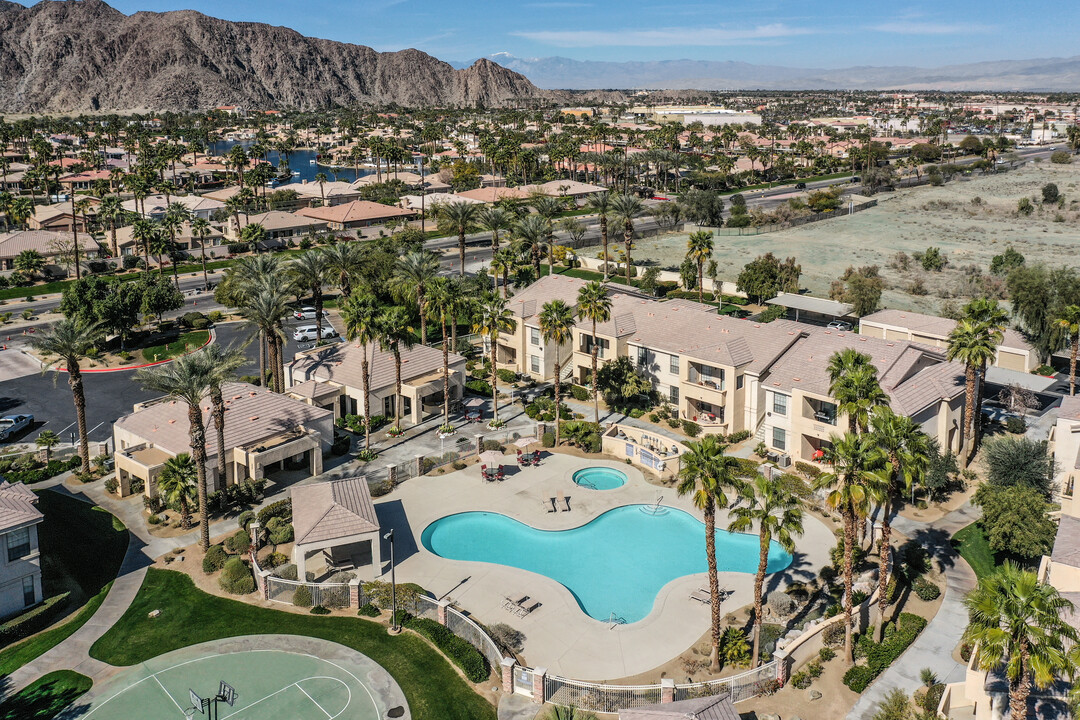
x,y
559,635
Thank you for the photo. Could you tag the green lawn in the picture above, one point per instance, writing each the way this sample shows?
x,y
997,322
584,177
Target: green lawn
x,y
44,698
185,343
14,657
973,547
189,616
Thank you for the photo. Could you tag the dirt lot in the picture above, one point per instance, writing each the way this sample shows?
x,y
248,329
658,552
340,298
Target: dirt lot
x,y
969,219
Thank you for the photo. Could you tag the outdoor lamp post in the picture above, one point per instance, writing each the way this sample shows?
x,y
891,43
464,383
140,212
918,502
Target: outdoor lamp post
x,y
393,584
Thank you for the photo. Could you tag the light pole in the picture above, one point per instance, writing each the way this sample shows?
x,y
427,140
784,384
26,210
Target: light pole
x,y
393,584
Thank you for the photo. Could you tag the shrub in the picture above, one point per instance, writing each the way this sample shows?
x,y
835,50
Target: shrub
x,y
479,387
826,654
508,637
926,590
281,509
879,656
236,578
1015,425
737,437
33,620
548,439
319,610
214,559
239,543
932,699
279,532
464,655
111,485
368,610
1060,157
592,443
244,519
506,375
781,603
801,679
691,428
747,467
810,471
275,559
286,571
833,636
154,519
237,248
302,596
580,393
814,669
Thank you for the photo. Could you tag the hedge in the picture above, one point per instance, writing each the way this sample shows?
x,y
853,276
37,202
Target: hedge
x,y
479,387
281,509
33,621
926,590
581,394
36,475
214,559
880,656
236,578
468,658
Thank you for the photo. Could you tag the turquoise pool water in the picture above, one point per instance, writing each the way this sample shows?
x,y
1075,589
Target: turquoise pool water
x,y
617,563
600,478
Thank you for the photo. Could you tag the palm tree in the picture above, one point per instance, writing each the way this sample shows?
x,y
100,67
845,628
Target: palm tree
x,y
600,203
47,439
394,332
494,220
441,299
974,344
705,474
854,386
459,217
263,311
200,230
1069,322
308,271
111,210
906,449
223,362
175,217
548,208
64,346
852,458
777,512
1017,624
361,315
594,305
187,379
344,261
624,208
557,328
494,318
145,233
320,177
413,273
700,249
532,231
178,483
502,262
985,310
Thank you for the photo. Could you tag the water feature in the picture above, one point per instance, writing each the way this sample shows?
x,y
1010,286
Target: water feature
x,y
600,478
301,162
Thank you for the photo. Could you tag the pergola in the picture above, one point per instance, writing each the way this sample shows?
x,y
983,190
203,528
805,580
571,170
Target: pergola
x,y
336,529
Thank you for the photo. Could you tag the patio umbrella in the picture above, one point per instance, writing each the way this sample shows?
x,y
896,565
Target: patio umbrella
x,y
492,458
524,442
474,402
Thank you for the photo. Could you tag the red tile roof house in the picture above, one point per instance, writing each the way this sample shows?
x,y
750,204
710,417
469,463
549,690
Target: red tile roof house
x,y
20,573
356,214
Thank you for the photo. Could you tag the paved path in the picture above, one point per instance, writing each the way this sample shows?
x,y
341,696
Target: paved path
x,y
934,647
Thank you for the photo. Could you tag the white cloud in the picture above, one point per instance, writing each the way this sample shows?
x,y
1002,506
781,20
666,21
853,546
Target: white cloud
x,y
910,27
664,37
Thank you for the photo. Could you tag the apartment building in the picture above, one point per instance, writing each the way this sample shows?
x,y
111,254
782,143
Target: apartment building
x,y
20,559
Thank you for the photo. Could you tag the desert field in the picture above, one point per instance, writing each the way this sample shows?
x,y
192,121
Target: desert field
x,y
969,219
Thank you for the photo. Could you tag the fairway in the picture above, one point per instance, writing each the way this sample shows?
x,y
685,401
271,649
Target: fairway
x,y
270,684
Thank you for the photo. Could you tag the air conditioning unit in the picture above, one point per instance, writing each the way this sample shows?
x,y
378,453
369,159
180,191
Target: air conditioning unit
x,y
784,460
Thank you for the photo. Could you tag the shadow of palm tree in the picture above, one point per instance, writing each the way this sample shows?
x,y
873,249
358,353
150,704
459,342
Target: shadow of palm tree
x,y
54,695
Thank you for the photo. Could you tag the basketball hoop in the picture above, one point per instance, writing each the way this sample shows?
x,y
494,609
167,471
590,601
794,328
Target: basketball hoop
x,y
226,694
198,704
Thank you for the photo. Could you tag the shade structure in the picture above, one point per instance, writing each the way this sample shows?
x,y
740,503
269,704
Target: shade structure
x,y
492,457
474,402
525,441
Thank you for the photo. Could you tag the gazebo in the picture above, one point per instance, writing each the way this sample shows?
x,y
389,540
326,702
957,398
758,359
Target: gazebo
x,y
336,529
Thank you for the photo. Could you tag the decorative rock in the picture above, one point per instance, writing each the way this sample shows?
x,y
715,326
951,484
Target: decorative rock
x,y
815,695
154,613
769,716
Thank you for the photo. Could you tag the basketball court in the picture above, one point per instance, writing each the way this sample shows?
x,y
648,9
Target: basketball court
x,y
236,681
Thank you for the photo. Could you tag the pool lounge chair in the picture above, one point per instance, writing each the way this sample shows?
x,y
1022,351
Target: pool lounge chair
x,y
529,610
514,605
702,596
566,504
549,504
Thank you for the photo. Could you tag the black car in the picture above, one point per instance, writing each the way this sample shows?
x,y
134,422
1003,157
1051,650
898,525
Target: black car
x,y
800,186
855,179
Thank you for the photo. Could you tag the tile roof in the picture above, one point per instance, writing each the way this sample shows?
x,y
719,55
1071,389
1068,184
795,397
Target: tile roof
x,y
355,211
328,189
44,241
331,510
278,220
714,707
1067,543
939,326
492,194
17,506
312,389
1070,408
341,364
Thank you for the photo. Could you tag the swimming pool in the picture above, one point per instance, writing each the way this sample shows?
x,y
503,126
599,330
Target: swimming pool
x,y
615,564
600,478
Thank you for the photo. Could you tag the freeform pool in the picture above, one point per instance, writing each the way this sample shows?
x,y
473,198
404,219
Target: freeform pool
x,y
600,478
614,566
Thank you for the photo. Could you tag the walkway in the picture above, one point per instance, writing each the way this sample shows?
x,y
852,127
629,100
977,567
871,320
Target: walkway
x,y
934,647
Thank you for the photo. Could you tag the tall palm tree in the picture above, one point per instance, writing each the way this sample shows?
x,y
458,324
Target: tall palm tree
x,y
494,318
394,333
178,484
250,274
777,513
187,379
344,262
412,275
600,203
309,271
853,457
64,345
441,300
176,215
906,450
594,305
548,208
494,220
502,262
361,315
263,311
985,310
706,472
1069,323
1016,624
974,344
557,328
699,249
200,230
854,386
532,232
111,211
223,362
145,233
459,217
624,208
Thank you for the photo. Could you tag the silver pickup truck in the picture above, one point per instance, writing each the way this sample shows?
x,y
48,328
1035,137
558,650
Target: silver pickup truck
x,y
12,424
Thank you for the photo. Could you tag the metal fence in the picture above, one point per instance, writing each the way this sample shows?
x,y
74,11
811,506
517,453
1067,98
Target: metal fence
x,y
795,221
738,687
472,633
597,697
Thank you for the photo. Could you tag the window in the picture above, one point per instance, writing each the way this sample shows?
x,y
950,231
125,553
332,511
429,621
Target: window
x,y
642,357
29,596
18,544
779,404
674,365
739,382
534,363
534,336
673,395
779,438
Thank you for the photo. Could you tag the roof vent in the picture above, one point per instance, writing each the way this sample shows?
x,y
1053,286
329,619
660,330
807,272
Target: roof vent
x,y
172,422
253,418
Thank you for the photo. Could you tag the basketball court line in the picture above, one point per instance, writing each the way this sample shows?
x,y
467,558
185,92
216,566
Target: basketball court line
x,y
328,715
169,694
296,685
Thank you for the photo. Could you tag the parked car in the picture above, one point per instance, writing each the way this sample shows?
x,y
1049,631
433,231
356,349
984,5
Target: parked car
x,y
855,179
306,333
307,313
12,424
800,186
840,325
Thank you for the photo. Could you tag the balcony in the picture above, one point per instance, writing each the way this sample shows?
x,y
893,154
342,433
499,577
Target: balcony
x,y
706,376
820,411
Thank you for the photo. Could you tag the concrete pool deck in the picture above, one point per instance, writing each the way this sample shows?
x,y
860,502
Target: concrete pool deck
x,y
559,635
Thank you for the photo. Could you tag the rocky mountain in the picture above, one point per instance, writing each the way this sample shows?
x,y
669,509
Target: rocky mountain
x,y
83,55
1051,74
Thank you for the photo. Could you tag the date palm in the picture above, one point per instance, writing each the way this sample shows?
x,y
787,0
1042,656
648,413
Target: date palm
x,y
699,248
594,305
412,275
1017,625
1069,324
494,220
854,386
178,484
223,362
360,315
492,319
175,217
64,345
461,218
47,439
557,328
441,300
309,271
200,230
145,233
548,208
624,208
706,474
974,344
187,379
111,211
777,513
532,231
263,310
502,262
344,263
249,274
394,332
985,310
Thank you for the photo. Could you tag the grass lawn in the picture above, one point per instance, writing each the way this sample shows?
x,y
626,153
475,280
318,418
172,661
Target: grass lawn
x,y
973,547
46,696
189,616
185,343
14,657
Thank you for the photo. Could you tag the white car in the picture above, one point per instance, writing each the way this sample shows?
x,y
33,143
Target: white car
x,y
307,313
840,325
306,333
11,424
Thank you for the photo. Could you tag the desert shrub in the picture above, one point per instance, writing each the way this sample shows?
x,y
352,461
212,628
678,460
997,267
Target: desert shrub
x,y
826,654
244,519
548,439
240,542
932,699
236,578
801,679
579,393
275,559
319,610
111,485
286,571
1015,425
492,445
464,655
368,610
1060,157
781,603
279,531
506,375
691,428
592,443
926,590
508,637
1024,206
302,596
833,636
214,559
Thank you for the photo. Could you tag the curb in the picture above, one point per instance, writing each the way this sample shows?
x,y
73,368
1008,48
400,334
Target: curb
x,y
211,338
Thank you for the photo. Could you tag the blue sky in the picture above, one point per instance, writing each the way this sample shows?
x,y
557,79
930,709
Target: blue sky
x,y
836,33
